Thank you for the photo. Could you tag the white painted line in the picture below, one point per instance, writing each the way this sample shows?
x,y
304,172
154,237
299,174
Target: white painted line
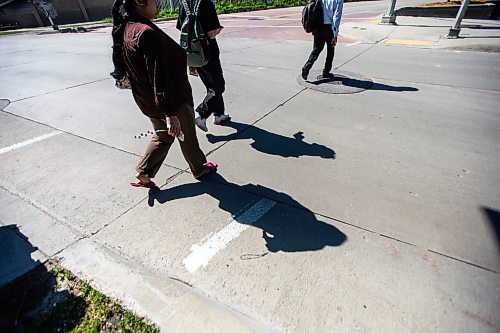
x,y
202,252
355,43
28,142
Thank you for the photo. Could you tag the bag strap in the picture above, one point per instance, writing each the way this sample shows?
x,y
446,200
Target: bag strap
x,y
198,30
196,7
186,7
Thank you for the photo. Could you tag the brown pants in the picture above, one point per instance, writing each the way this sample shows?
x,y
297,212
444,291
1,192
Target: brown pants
x,y
161,142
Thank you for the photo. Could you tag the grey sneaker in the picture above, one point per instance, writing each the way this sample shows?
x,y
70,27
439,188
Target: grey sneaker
x,y
201,122
222,118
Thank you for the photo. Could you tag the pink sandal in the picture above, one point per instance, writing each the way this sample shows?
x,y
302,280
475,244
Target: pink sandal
x,y
140,183
211,168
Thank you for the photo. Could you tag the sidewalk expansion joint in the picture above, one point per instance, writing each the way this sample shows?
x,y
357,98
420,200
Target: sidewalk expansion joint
x,y
354,225
39,206
438,85
398,240
464,261
256,121
360,54
169,179
63,89
76,135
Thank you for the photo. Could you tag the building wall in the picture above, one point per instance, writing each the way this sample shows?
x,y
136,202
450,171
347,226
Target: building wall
x,y
68,11
24,13
21,14
98,9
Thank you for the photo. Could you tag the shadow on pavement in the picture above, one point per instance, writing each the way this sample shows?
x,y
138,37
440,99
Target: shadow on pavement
x,y
284,229
448,25
493,217
29,298
360,84
478,37
4,103
386,87
274,144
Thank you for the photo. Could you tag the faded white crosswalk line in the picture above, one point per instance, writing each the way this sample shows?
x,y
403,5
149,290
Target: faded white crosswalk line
x,y
202,252
352,44
28,142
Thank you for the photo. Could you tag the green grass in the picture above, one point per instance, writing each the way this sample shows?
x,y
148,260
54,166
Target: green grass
x,y
224,7
86,310
12,32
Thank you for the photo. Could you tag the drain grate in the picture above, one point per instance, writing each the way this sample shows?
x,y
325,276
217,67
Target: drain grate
x,y
339,82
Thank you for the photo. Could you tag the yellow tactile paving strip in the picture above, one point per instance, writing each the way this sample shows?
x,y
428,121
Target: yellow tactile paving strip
x,y
411,42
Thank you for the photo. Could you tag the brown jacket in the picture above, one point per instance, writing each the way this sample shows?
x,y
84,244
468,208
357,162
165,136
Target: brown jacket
x,y
156,66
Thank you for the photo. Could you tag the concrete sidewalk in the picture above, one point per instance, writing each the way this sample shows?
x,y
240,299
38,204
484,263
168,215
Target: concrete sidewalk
x,y
369,212
475,35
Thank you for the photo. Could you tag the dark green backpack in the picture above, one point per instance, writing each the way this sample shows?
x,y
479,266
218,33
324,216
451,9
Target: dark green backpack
x,y
193,38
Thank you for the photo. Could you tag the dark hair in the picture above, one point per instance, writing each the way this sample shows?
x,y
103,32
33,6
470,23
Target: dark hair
x,y
121,13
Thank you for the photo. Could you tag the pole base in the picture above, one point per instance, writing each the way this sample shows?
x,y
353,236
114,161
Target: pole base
x,y
453,33
388,19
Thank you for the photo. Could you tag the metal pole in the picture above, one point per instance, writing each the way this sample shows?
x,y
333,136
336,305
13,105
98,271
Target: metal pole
x,y
389,17
84,11
455,30
37,16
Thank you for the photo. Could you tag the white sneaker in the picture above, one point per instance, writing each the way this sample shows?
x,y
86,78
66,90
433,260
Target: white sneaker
x,y
222,118
201,122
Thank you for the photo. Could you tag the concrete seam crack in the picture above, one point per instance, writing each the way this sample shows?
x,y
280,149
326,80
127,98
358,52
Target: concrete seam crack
x,y
58,90
255,122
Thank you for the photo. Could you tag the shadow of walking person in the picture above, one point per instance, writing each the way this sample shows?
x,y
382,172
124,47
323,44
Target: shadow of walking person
x,y
3,104
284,228
359,84
274,144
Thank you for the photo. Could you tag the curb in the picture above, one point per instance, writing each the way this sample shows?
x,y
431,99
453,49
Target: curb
x,y
172,304
481,12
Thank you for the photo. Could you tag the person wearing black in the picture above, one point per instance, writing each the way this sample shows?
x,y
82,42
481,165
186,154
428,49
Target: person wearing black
x,y
211,74
327,33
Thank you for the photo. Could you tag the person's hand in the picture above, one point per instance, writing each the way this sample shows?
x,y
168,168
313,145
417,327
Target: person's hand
x,y
334,41
213,33
173,125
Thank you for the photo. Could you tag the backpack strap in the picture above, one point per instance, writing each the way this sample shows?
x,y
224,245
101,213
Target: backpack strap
x,y
196,6
186,8
193,15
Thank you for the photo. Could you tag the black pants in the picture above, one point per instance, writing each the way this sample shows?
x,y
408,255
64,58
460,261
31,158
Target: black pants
x,y
213,79
322,36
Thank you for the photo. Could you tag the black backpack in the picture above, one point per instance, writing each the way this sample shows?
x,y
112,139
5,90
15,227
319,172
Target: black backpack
x,y
312,15
193,38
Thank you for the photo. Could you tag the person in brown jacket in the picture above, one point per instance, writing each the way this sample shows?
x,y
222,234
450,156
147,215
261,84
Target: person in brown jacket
x,y
154,66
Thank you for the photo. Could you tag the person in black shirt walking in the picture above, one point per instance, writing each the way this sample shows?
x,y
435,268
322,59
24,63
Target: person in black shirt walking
x,y
211,74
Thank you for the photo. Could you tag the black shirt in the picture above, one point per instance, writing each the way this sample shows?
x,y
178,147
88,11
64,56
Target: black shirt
x,y
206,14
